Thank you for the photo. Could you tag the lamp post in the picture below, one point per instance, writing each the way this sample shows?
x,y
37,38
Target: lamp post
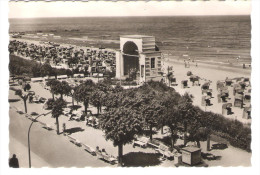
x,y
29,149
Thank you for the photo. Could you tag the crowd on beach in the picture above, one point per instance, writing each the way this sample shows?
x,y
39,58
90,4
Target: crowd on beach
x,y
93,60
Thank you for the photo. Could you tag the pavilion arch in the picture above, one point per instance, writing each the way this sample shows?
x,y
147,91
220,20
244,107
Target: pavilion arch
x,y
131,57
130,48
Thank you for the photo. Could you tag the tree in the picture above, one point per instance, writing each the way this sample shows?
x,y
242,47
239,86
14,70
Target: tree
x,y
96,99
117,88
99,94
36,70
197,133
120,125
57,110
24,97
171,115
150,108
61,88
65,89
83,92
46,70
53,87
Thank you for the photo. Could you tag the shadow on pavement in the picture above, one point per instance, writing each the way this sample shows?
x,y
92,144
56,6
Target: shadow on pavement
x,y
74,130
13,100
141,159
209,156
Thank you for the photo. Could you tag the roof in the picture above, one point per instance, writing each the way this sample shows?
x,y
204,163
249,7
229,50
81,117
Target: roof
x,y
191,149
136,36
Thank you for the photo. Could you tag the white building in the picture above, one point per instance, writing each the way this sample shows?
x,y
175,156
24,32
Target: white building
x,y
139,53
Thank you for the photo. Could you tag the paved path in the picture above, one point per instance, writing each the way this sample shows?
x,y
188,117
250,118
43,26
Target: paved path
x,y
48,148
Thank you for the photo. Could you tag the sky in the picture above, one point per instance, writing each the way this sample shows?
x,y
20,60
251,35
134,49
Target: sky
x,y
152,8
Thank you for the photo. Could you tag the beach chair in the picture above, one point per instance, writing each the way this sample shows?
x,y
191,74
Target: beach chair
x,y
226,109
103,155
243,85
165,151
228,82
184,84
48,127
247,113
74,141
205,101
205,86
90,150
142,142
195,80
220,84
238,102
247,97
209,93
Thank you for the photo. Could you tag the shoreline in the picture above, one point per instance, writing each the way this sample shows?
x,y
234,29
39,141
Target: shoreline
x,y
236,67
212,65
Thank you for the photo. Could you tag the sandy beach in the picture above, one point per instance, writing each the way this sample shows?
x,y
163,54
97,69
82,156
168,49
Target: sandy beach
x,y
213,73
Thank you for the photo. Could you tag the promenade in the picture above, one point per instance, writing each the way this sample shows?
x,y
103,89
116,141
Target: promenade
x,y
52,150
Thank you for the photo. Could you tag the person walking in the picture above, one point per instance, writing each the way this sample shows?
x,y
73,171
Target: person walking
x,y
13,162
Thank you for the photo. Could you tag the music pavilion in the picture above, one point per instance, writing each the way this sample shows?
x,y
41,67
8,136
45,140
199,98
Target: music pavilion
x,y
139,53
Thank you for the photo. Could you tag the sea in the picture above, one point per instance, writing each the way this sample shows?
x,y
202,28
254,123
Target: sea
x,y
223,39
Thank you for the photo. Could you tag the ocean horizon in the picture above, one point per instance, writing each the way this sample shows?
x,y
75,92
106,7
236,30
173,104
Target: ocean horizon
x,y
213,38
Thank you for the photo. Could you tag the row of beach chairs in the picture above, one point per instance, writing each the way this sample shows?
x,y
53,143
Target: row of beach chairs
x,y
101,154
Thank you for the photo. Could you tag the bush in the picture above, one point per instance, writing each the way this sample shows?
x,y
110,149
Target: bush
x,y
237,134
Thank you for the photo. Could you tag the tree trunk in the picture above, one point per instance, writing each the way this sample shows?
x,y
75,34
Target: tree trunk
x,y
86,106
72,100
151,132
198,143
97,109
25,105
208,142
61,96
120,154
52,95
100,109
172,137
185,134
163,124
58,127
